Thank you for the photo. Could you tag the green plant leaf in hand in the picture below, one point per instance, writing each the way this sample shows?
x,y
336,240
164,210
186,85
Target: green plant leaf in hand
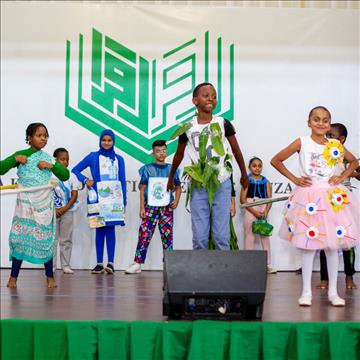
x,y
203,140
216,139
194,171
183,128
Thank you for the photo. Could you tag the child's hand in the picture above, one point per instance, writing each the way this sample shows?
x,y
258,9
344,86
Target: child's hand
x,y
44,165
61,211
232,207
89,183
170,184
335,180
142,213
22,159
303,181
356,173
174,204
244,181
259,214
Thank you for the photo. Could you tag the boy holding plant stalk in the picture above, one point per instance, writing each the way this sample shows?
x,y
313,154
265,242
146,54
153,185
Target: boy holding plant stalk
x,y
210,191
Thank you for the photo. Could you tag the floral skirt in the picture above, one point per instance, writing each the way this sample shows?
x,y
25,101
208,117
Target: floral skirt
x,y
33,229
321,217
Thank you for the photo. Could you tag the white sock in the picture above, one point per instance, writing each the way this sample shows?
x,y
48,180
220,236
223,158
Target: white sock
x,y
307,267
332,259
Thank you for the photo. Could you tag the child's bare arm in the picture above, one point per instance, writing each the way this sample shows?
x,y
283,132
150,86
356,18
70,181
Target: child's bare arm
x,y
279,158
269,195
233,207
142,188
353,164
61,211
239,159
178,157
175,202
356,173
243,197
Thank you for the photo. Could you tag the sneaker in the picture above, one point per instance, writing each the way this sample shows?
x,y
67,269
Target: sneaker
x,y
98,269
67,270
134,268
109,268
271,270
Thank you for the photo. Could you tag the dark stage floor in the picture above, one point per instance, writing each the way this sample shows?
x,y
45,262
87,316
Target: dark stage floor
x,y
83,296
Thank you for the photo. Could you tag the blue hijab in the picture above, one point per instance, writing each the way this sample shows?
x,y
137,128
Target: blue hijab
x,y
108,153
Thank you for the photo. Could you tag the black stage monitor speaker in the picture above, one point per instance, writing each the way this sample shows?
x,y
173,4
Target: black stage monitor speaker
x,y
213,284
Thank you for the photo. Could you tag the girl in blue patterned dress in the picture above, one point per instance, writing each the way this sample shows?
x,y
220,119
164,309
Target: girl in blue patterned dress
x,y
32,233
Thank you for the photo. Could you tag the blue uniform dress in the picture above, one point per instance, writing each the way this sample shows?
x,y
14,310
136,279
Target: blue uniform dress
x,y
92,161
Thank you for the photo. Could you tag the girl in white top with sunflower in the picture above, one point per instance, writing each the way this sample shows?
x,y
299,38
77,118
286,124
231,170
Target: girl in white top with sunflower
x,y
319,214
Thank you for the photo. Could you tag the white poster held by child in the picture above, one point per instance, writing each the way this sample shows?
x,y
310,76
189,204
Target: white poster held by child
x,y
157,194
111,200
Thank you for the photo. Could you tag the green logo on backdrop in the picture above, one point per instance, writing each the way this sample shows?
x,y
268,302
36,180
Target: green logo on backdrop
x,y
140,100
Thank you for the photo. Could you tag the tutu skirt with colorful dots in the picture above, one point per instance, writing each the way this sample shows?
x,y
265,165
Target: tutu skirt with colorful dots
x,y
321,217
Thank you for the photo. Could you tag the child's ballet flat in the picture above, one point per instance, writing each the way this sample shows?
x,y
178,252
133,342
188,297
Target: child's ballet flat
x,y
336,301
305,300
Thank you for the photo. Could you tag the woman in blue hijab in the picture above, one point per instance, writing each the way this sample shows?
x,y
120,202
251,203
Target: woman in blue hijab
x,y
108,201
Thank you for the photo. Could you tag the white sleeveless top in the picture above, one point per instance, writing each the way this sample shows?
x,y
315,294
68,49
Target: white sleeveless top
x,y
312,161
193,145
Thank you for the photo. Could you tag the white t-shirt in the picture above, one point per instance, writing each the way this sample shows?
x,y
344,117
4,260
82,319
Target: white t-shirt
x,y
193,135
312,161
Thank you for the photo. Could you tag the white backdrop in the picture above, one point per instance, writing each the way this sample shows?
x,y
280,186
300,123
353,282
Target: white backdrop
x,y
286,62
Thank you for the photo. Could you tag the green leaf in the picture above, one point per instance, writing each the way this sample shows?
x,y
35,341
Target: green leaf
x,y
207,174
228,167
194,171
183,128
211,244
216,139
198,185
233,237
190,190
228,157
203,140
211,188
214,161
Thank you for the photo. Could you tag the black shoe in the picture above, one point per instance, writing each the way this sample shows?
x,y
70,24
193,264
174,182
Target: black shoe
x,y
98,269
109,268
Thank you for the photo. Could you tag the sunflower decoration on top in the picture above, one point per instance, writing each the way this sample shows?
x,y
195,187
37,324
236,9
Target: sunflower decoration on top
x,y
334,153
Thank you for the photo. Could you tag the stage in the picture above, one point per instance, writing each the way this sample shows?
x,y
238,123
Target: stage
x,y
83,296
120,317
